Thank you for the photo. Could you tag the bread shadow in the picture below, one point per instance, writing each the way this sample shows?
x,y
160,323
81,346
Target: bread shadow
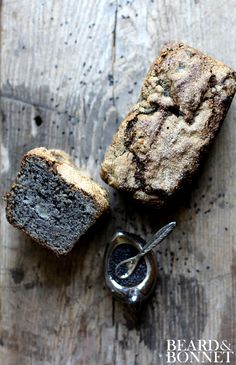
x,y
42,267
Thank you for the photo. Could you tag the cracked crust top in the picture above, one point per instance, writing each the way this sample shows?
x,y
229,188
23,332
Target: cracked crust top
x,y
159,145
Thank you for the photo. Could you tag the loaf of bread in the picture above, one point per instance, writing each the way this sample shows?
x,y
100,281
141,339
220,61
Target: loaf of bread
x,y
159,145
53,201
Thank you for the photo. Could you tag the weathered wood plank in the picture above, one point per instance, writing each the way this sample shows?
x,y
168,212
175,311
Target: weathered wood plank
x,y
78,66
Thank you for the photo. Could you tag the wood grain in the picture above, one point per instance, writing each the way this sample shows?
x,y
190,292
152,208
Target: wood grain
x,y
69,72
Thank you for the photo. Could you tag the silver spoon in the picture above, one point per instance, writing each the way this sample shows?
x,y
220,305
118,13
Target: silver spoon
x,y
131,263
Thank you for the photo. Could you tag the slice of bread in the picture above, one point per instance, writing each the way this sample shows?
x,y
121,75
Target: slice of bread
x,y
53,201
160,144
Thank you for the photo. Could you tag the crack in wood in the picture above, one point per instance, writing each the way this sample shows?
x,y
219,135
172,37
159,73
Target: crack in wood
x,y
33,104
114,53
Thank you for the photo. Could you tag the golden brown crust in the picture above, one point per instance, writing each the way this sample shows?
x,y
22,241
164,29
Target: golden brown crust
x,y
159,145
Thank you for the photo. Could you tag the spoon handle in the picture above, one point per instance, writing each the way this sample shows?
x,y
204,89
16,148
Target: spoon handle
x,y
158,237
132,262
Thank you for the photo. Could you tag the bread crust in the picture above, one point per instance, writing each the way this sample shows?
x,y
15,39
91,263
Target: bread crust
x,y
61,164
159,145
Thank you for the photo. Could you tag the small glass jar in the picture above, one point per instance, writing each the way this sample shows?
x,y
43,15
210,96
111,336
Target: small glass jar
x,y
141,283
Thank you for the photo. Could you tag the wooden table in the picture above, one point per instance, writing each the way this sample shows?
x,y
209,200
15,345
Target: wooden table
x,y
70,70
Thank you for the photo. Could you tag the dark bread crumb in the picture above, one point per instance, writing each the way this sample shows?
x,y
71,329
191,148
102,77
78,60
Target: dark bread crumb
x,y
53,201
